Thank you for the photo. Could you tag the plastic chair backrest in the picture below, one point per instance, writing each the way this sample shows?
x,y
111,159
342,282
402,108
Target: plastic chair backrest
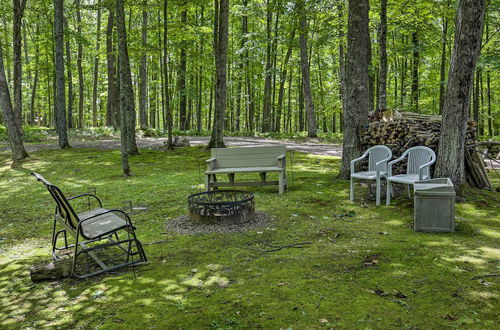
x,y
376,154
418,156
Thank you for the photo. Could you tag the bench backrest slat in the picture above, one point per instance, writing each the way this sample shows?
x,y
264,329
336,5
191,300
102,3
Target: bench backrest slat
x,y
248,156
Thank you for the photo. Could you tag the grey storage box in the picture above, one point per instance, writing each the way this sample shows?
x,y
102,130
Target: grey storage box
x,y
434,205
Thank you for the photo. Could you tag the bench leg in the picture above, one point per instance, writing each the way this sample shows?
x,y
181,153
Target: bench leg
x,y
207,182
282,182
231,177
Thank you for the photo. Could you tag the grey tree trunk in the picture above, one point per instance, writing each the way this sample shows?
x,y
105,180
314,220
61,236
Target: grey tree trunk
x,y
127,102
266,110
217,138
35,81
96,70
182,78
306,80
15,138
166,96
466,49
60,99
200,78
143,75
112,111
442,75
415,65
283,74
343,89
356,114
18,6
79,65
69,71
382,76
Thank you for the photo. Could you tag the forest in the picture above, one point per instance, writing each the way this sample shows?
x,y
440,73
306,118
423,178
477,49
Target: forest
x,y
172,46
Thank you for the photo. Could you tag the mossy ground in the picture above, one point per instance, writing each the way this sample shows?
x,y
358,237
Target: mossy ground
x,y
365,267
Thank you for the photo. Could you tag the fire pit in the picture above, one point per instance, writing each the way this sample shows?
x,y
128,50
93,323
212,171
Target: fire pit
x,y
222,207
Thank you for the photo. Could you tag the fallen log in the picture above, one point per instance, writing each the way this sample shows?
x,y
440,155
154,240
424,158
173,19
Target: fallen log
x,y
52,271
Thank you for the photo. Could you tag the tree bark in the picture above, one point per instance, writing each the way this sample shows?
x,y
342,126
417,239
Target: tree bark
x,y
311,119
112,107
166,96
442,73
143,74
127,103
466,50
69,71
283,74
95,80
60,100
382,76
182,76
35,82
217,138
266,110
200,77
18,6
15,138
415,64
79,65
356,114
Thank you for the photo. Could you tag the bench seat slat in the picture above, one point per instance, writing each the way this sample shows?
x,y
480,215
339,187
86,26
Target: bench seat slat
x,y
246,170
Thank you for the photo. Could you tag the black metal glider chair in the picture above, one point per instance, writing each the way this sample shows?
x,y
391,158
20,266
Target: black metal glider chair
x,y
93,230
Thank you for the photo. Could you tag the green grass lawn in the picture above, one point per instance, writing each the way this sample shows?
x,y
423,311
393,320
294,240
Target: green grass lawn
x,y
365,267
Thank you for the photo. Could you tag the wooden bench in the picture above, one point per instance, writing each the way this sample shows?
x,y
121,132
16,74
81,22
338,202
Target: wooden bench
x,y
246,160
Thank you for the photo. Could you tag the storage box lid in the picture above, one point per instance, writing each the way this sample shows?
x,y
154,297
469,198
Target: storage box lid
x,y
438,186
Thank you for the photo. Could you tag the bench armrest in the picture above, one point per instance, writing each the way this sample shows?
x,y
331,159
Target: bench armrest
x,y
210,163
282,161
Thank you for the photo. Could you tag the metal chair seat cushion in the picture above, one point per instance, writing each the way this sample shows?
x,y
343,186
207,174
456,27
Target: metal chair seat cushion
x,y
100,225
406,178
369,175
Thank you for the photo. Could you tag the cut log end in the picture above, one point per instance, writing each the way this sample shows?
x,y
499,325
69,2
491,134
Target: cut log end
x,y
52,271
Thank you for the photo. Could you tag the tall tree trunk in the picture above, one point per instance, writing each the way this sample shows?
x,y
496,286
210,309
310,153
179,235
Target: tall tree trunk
x,y
283,74
166,96
200,77
382,76
249,88
266,110
60,100
35,82
96,70
466,49
143,70
69,70
18,6
442,73
112,108
79,65
15,138
217,138
343,87
415,64
311,119
356,115
127,103
182,76
475,100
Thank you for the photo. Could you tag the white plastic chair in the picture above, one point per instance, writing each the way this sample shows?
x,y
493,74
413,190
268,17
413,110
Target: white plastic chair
x,y
378,156
420,160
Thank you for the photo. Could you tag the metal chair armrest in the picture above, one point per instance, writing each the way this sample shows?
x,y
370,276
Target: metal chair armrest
x,y
86,194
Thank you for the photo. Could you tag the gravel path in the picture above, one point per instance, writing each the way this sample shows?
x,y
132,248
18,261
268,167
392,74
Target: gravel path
x,y
185,226
151,143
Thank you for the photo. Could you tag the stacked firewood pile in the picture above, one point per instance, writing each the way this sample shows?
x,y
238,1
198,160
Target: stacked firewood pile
x,y
403,130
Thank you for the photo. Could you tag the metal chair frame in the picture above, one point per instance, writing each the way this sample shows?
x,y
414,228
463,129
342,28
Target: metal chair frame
x,y
72,222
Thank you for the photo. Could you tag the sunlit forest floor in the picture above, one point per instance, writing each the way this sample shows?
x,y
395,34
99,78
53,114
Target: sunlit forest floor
x,y
365,267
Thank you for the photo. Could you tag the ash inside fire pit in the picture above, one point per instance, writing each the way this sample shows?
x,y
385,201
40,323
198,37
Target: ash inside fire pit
x,y
222,207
